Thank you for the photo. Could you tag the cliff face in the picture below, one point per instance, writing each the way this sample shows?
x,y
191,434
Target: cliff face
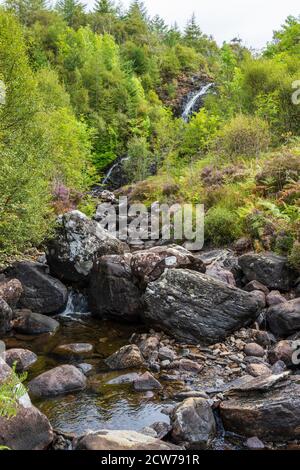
x,y
184,85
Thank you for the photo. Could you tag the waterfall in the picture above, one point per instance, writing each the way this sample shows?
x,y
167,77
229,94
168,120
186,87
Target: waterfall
x,y
77,303
190,106
107,177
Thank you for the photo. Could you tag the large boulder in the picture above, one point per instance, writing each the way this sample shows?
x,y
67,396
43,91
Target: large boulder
x,y
5,317
122,440
283,351
284,319
29,323
273,415
58,381
10,291
195,308
78,241
148,265
193,423
271,270
113,290
29,429
42,293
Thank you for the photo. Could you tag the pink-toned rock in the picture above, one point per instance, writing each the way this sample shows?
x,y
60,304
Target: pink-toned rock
x,y
275,298
10,291
146,382
256,370
282,351
254,349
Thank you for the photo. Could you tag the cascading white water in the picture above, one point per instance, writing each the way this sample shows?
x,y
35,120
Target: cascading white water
x,y
190,106
110,171
77,303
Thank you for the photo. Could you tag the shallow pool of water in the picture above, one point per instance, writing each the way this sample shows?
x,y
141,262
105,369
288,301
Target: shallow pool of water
x,y
100,406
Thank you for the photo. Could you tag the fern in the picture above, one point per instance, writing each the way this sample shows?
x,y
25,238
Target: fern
x,y
10,392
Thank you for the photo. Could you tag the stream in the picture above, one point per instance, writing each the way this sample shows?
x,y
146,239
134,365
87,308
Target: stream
x,y
101,405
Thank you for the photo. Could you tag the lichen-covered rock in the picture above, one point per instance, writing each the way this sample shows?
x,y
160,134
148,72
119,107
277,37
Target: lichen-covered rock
x,y
269,269
196,308
58,381
113,291
193,423
78,241
148,265
10,291
42,293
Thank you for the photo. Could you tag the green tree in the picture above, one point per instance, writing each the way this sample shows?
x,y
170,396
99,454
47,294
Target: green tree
x,y
73,12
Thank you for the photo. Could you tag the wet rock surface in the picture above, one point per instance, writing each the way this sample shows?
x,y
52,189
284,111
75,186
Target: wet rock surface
x,y
30,323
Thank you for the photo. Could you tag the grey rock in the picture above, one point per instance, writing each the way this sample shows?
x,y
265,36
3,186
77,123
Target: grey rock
x,y
42,293
58,381
30,323
284,319
5,317
146,382
254,350
125,358
122,440
195,308
23,358
269,269
193,423
78,241
113,291
272,416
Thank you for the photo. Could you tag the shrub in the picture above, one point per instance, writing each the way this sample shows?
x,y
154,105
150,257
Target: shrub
x,y
294,258
243,136
278,171
222,226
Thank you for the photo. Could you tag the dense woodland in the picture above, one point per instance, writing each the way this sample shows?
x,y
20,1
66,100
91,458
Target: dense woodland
x,y
86,87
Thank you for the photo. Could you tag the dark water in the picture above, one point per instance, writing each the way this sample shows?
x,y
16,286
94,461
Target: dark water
x,y
100,406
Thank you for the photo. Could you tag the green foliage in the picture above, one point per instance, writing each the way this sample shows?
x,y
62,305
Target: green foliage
x,y
243,136
11,390
294,258
222,226
139,159
199,133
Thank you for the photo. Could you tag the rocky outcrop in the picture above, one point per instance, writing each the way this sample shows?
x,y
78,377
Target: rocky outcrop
x,y
196,308
113,290
125,358
273,415
22,358
29,429
193,423
122,440
284,319
148,265
78,241
30,323
42,293
58,381
269,269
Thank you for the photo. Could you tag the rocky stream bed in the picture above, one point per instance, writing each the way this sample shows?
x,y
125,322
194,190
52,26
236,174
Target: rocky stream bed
x,y
150,348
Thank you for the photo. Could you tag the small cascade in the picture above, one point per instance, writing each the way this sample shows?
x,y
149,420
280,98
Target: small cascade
x,y
114,174
77,304
190,107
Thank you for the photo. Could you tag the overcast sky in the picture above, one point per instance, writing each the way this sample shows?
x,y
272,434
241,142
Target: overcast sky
x,y
252,20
